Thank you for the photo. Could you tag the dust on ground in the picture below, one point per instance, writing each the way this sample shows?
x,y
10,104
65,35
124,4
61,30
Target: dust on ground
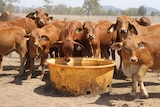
x,y
19,92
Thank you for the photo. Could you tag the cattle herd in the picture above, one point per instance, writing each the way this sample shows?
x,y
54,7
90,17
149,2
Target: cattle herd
x,y
39,35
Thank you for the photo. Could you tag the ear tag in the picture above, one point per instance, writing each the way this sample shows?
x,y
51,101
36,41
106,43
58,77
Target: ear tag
x,y
79,48
111,30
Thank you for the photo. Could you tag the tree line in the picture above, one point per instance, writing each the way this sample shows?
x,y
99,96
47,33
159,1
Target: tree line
x,y
89,7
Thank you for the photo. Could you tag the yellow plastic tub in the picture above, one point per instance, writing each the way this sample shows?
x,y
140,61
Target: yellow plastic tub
x,y
82,76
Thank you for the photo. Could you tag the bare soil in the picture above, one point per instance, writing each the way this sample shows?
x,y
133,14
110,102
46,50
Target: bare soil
x,y
19,92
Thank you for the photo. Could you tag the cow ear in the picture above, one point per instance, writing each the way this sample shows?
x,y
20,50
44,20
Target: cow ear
x,y
112,28
27,37
50,18
133,29
33,17
117,46
142,45
44,38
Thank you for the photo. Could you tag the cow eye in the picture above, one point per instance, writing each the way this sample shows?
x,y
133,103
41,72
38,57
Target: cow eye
x,y
126,49
78,29
141,46
127,22
44,38
119,22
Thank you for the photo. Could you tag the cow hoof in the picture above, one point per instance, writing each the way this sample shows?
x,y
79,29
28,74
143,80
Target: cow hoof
x,y
40,77
145,96
133,94
20,74
29,77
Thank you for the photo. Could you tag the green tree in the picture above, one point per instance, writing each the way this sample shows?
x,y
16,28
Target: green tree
x,y
129,12
77,11
2,5
48,5
110,12
98,11
9,4
152,13
142,11
89,5
61,9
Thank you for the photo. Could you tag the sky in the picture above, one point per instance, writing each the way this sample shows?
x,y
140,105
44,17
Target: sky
x,y
123,4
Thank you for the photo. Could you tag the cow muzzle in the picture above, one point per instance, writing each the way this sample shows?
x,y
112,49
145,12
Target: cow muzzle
x,y
133,59
90,36
123,31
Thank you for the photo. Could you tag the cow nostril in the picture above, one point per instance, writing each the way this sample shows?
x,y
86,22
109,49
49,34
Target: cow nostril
x,y
123,31
90,37
37,45
134,60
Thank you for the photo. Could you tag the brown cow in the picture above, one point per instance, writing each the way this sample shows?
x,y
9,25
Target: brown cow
x,y
58,23
99,38
26,23
7,15
125,26
71,32
144,21
12,39
39,44
139,53
40,17
5,24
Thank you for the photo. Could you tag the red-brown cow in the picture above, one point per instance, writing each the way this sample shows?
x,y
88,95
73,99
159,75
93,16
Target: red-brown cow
x,y
139,53
12,39
125,26
71,32
26,23
99,38
39,44
58,23
7,15
40,17
144,21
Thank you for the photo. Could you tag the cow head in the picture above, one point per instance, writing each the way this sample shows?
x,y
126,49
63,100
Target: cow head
x,y
40,17
38,43
123,26
89,28
67,47
129,48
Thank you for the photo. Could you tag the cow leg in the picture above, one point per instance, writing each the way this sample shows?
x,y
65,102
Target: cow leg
x,y
97,51
1,67
31,68
43,60
143,89
113,54
22,59
22,50
120,63
143,69
134,85
105,53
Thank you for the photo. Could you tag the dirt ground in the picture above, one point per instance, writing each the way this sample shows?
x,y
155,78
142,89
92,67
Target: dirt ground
x,y
18,92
